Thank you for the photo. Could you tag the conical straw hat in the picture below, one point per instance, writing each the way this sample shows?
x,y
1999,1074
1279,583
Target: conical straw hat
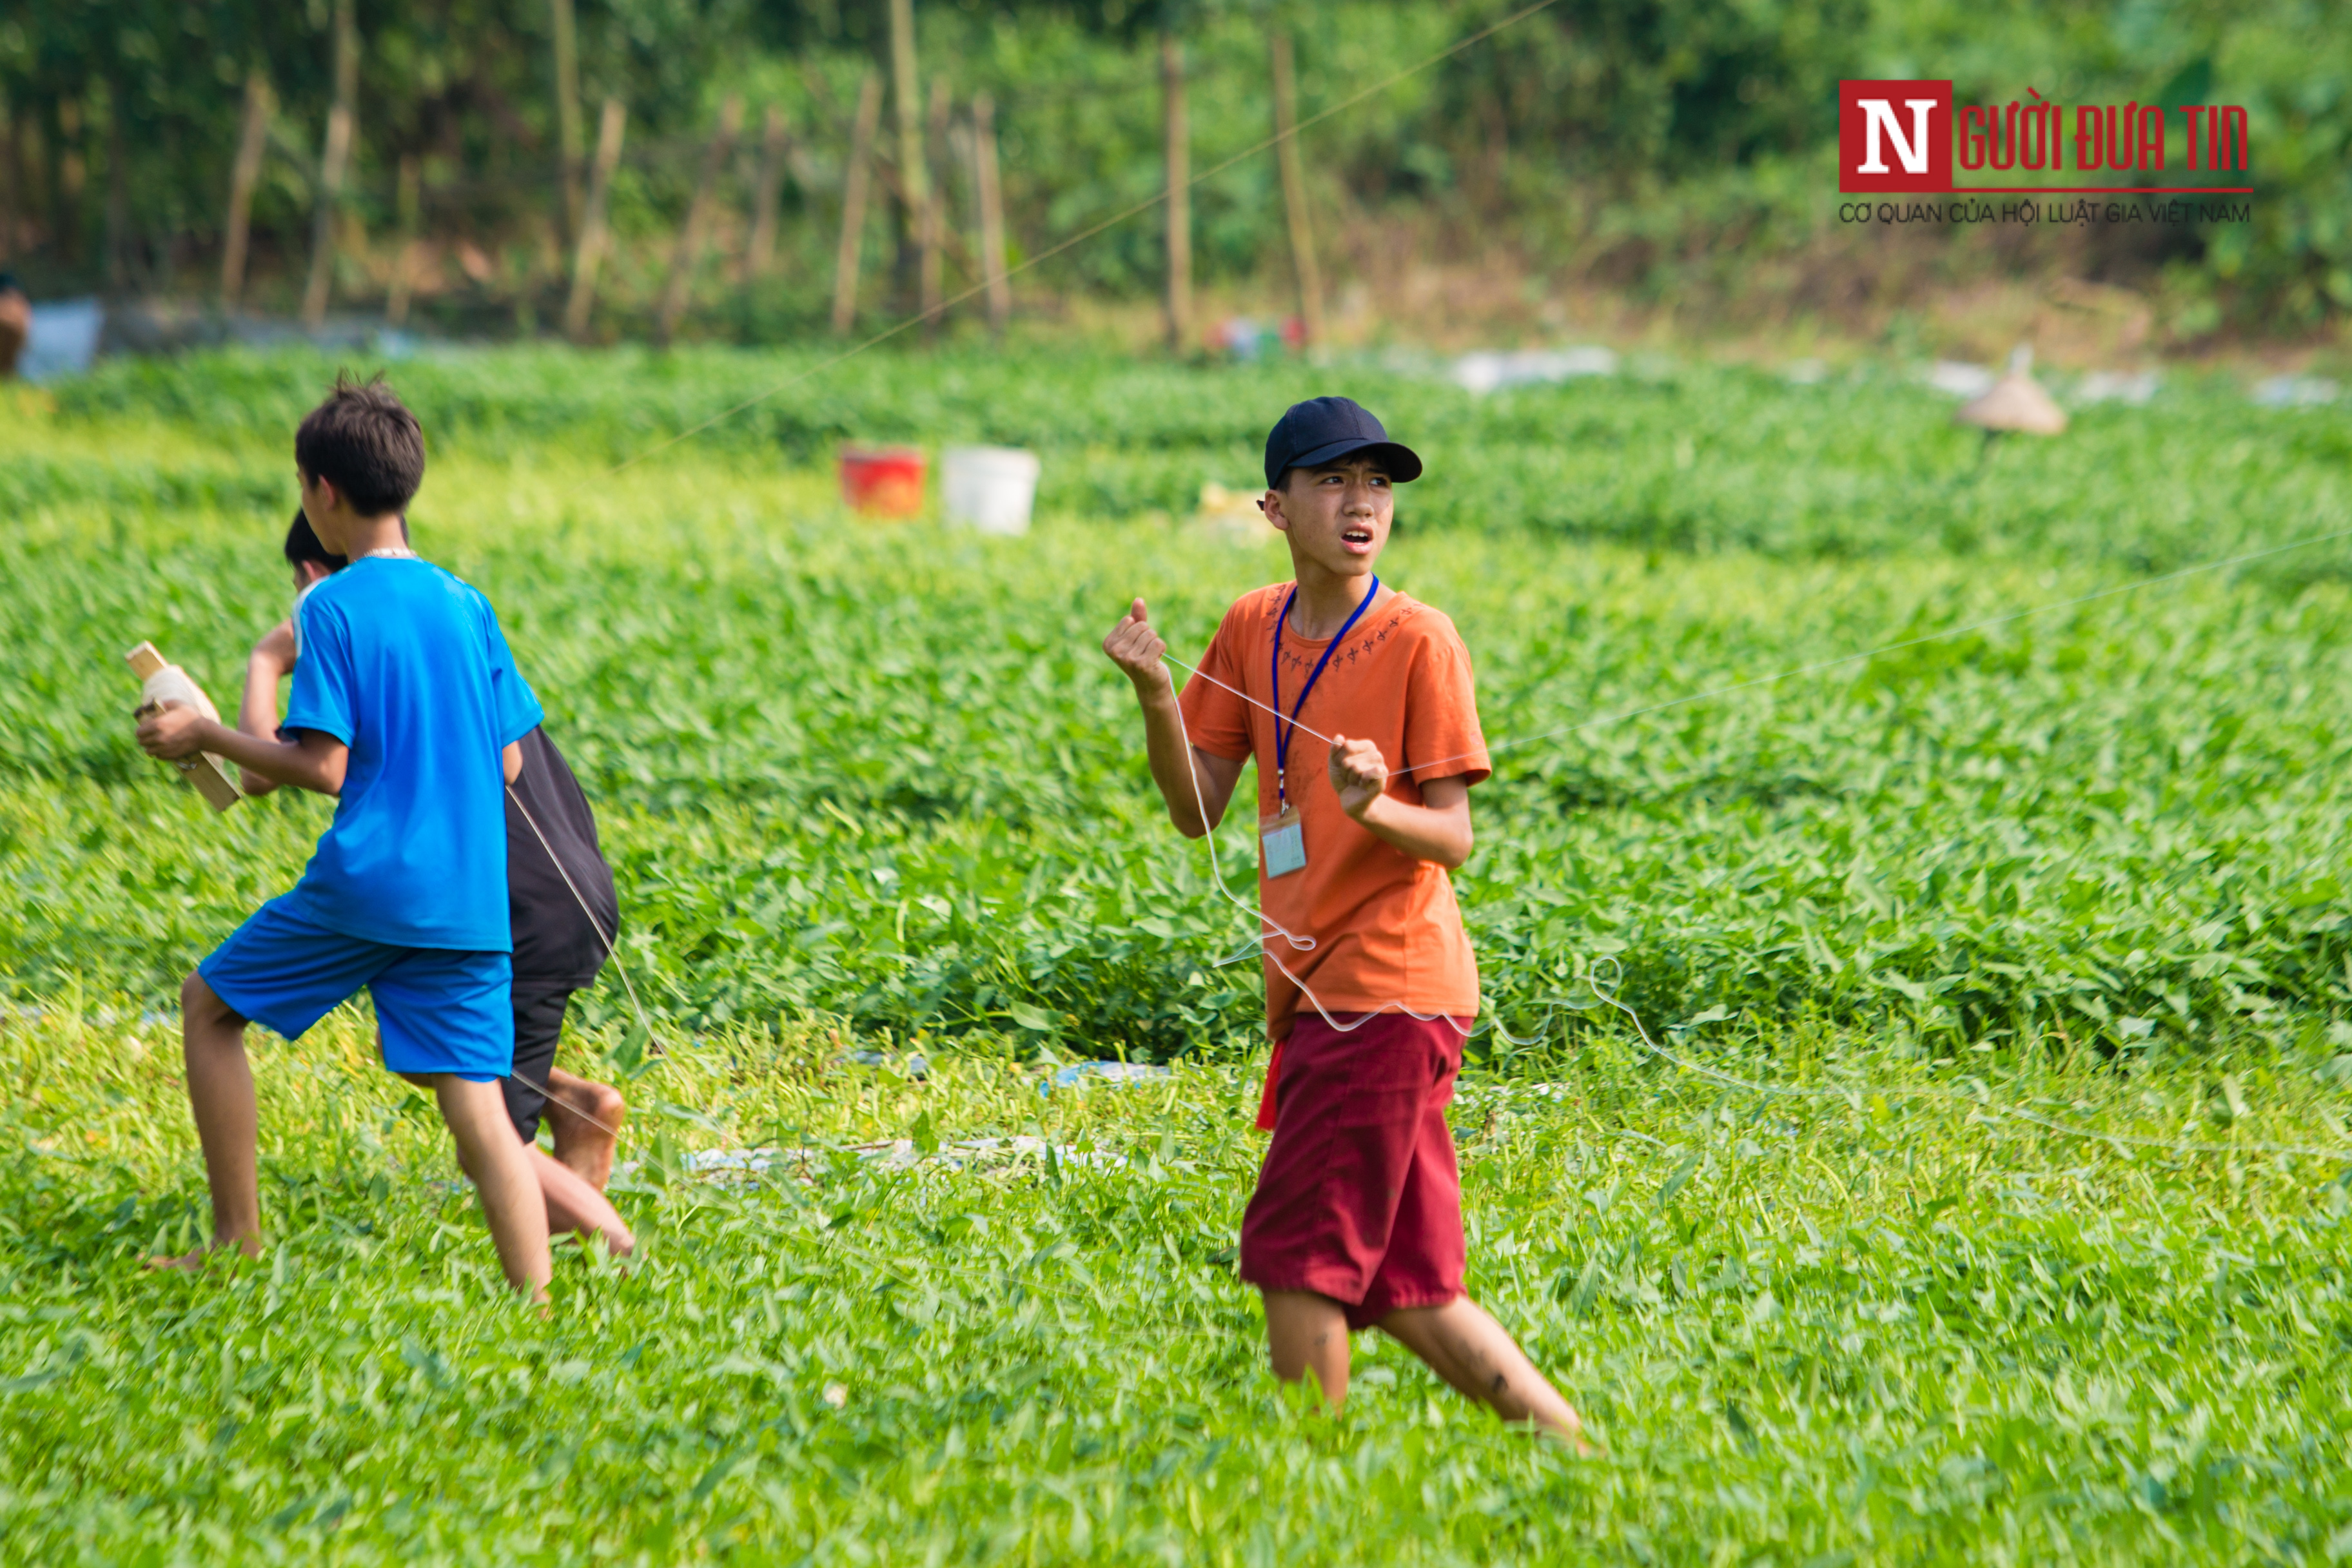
x,y
2015,402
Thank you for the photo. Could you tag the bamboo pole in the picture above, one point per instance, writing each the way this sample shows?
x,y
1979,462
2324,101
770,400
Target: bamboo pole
x,y
590,252
411,204
1177,140
12,193
935,205
913,193
567,110
69,178
691,234
17,238
118,192
251,139
776,143
27,164
853,202
992,211
1294,191
336,155
334,159
951,244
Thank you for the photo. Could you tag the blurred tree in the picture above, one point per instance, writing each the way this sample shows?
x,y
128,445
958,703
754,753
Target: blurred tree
x,y
1652,131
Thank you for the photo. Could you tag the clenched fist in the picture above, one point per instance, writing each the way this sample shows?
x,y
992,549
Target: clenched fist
x,y
1136,648
1359,774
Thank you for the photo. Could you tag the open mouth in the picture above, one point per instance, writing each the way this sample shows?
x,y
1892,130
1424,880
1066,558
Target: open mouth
x,y
1357,536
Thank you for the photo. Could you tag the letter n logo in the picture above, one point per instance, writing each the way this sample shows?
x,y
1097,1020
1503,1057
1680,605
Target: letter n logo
x,y
1894,136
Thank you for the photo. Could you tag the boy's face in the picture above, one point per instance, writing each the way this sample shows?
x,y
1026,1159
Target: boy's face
x,y
1336,516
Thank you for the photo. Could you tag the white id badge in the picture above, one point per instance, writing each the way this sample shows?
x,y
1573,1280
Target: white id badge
x,y
1283,840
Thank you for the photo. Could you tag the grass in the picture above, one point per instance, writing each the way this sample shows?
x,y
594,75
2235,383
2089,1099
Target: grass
x,y
874,789
1896,1329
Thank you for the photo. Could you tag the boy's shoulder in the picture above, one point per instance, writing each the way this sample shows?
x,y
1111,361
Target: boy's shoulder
x,y
1259,604
1401,622
391,581
1401,619
1412,619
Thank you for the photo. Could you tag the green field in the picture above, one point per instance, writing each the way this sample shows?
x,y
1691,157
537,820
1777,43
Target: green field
x,y
874,789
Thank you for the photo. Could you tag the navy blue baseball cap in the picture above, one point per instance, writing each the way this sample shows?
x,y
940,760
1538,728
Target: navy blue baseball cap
x,y
1324,430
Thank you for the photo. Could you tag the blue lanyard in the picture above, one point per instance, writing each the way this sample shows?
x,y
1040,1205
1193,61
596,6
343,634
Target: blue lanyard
x,y
1282,736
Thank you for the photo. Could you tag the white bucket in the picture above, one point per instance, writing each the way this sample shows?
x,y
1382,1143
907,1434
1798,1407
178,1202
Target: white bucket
x,y
63,339
991,487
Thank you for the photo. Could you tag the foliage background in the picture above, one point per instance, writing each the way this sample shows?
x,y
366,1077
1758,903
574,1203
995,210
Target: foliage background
x,y
883,775
1679,151
2033,1247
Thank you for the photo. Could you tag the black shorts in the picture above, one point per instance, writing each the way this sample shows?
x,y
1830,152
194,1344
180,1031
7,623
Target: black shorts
x,y
538,1027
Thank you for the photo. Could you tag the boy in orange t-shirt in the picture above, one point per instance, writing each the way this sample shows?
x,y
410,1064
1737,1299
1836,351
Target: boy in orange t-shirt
x,y
1371,982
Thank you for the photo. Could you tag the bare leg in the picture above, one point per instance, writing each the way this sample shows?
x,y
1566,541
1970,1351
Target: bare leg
x,y
586,1117
220,1093
488,1147
573,1204
1469,1350
1307,1334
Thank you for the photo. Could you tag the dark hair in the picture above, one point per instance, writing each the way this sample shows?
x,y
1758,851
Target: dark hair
x,y
366,444
302,545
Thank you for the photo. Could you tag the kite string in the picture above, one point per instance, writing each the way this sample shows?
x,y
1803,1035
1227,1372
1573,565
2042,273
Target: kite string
x,y
1081,237
1606,994
1276,928
1606,990
2114,590
1308,944
612,956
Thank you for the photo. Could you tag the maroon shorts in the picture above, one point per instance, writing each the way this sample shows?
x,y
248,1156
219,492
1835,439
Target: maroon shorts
x,y
1359,1199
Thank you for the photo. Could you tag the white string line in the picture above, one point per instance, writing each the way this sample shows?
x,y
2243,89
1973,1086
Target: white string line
x,y
1607,993
611,953
554,1100
1813,668
1307,944
1081,237
1297,943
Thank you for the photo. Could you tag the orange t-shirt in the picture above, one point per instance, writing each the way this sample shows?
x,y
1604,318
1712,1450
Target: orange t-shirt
x,y
1387,930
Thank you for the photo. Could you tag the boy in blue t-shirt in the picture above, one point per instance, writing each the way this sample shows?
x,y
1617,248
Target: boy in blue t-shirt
x,y
562,909
407,707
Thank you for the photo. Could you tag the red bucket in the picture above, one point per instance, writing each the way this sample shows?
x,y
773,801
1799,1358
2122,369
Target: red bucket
x,y
883,481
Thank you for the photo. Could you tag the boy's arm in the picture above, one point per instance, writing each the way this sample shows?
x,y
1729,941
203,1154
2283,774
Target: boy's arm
x,y
313,760
272,661
1438,829
1191,780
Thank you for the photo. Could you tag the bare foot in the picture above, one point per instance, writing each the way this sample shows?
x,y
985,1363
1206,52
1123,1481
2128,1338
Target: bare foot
x,y
586,1117
575,1206
202,1258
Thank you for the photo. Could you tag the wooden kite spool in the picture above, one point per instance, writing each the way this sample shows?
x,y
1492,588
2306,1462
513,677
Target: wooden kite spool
x,y
160,683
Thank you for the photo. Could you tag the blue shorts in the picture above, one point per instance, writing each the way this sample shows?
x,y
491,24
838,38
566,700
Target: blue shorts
x,y
440,1010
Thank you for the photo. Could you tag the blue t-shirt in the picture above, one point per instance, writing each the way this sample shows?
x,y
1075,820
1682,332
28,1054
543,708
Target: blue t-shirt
x,y
406,666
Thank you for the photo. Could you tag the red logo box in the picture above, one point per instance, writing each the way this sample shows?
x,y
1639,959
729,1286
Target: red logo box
x,y
1894,136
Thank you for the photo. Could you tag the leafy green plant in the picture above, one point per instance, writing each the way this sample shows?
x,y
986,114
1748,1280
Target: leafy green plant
x,y
871,790
882,773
